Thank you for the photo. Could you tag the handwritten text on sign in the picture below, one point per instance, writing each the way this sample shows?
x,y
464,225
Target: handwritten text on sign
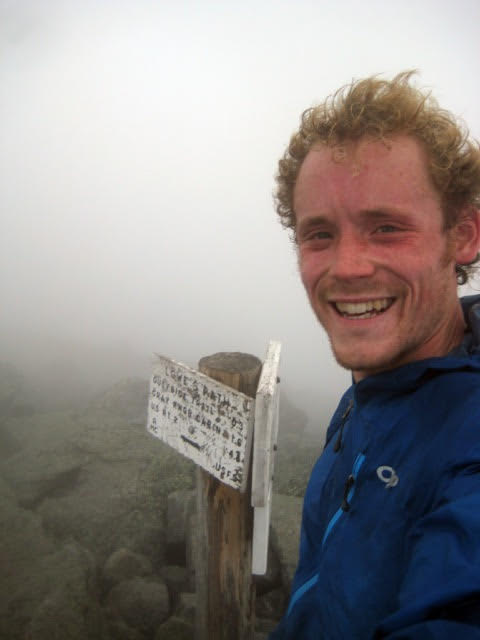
x,y
206,421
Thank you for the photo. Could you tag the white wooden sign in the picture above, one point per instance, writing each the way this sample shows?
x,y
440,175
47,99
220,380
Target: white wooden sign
x,y
206,421
264,447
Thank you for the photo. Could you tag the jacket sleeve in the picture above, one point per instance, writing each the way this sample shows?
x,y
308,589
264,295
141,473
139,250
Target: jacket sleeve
x,y
439,596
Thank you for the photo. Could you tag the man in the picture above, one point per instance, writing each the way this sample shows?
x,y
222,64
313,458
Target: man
x,y
381,189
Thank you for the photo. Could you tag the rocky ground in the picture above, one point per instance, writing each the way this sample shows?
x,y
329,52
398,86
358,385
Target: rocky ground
x,y
96,530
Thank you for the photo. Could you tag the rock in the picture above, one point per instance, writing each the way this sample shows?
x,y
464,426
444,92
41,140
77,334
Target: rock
x,y
111,437
109,509
37,474
46,592
95,478
87,474
177,578
180,506
124,564
8,500
49,462
175,629
271,605
142,603
121,631
167,470
191,548
71,610
23,584
186,607
286,522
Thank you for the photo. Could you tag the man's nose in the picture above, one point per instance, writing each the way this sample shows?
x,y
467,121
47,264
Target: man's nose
x,y
352,258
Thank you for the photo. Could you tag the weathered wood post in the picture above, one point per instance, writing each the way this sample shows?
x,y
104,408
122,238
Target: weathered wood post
x,y
209,417
224,585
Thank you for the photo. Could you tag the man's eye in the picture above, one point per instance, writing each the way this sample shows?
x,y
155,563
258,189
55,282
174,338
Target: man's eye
x,y
386,228
320,235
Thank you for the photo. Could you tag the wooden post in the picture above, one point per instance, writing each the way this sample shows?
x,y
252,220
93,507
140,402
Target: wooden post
x,y
224,584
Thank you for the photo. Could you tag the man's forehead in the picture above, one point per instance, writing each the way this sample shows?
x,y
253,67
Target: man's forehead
x,y
401,151
351,151
395,168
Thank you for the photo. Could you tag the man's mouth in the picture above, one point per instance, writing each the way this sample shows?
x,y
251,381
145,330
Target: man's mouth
x,y
363,310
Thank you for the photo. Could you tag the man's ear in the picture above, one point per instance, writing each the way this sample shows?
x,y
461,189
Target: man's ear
x,y
467,235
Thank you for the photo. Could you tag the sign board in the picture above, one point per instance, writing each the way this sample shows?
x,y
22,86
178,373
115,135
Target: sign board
x,y
206,421
264,447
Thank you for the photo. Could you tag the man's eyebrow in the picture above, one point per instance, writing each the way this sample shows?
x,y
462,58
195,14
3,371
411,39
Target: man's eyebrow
x,y
383,214
305,225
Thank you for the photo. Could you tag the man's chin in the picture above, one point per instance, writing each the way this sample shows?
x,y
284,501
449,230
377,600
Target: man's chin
x,y
363,366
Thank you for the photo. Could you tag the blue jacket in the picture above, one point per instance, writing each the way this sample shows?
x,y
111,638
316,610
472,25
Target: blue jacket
x,y
390,540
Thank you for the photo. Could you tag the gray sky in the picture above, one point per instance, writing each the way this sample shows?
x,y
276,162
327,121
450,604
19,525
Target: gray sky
x,y
138,144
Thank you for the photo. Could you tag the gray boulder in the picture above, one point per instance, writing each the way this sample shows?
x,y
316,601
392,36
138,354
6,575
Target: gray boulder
x,y
71,610
180,506
44,589
8,500
191,548
175,629
124,564
121,631
177,578
23,548
186,606
142,603
108,510
37,474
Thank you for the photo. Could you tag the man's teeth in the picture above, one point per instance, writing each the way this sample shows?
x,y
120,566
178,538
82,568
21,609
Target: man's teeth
x,y
363,309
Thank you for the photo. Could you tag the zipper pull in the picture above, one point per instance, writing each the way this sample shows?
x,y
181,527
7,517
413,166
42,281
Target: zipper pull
x,y
348,485
338,443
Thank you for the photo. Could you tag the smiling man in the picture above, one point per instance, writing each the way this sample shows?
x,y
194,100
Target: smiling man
x,y
381,189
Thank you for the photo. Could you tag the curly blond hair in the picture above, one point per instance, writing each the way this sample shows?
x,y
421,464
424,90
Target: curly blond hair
x,y
379,108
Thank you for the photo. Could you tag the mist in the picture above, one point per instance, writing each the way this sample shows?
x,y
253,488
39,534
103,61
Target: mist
x,y
139,144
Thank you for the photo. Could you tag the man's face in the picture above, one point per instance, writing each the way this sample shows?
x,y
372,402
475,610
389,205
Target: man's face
x,y
376,263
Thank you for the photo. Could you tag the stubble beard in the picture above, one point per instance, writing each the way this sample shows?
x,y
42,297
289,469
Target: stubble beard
x,y
394,356
400,350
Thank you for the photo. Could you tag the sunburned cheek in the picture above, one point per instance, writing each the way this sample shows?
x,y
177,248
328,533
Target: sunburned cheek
x,y
308,276
312,265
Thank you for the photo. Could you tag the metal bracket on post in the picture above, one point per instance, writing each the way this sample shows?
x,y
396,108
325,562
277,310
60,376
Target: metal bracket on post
x,y
264,447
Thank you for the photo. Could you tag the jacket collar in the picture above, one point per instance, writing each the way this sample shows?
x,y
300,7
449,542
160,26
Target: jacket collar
x,y
471,342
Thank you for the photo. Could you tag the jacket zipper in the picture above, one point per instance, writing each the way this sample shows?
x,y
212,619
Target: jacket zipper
x,y
338,442
345,506
347,496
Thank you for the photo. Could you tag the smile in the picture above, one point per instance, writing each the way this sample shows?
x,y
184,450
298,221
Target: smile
x,y
363,310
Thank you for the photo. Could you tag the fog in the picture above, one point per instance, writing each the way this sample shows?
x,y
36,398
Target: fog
x,y
138,146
